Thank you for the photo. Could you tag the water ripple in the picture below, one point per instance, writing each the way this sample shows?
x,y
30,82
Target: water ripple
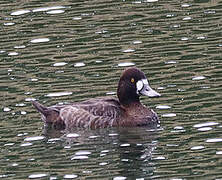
x,y
34,138
79,157
205,124
214,140
57,94
79,64
40,40
60,64
55,12
169,115
197,147
20,12
72,135
126,64
198,78
70,176
34,176
48,8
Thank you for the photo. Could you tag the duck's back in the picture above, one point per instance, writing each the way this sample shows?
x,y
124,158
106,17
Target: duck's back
x,y
92,113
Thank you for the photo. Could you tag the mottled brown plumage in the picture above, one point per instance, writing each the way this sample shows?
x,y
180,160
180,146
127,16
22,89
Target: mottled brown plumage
x,y
126,111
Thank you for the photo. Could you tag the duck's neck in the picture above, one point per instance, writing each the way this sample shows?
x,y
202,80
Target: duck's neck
x,y
129,102
132,105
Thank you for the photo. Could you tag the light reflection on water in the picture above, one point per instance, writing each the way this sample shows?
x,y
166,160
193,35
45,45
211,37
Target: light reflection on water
x,y
71,51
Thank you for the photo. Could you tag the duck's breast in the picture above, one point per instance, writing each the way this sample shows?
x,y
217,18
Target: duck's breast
x,y
139,115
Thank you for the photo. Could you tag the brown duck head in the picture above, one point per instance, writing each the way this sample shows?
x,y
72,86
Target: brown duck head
x,y
132,84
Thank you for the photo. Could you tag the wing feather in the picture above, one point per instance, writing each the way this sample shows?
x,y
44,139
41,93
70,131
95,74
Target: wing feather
x,y
95,114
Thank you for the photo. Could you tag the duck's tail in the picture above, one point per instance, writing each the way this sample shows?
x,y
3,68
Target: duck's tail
x,y
42,109
50,115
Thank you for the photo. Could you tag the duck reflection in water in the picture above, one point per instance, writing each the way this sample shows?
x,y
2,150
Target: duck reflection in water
x,y
127,151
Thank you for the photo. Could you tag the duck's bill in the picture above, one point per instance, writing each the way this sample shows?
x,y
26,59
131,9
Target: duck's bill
x,y
143,88
148,91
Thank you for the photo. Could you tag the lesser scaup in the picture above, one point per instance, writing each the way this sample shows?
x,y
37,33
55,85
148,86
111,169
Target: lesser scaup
x,y
126,111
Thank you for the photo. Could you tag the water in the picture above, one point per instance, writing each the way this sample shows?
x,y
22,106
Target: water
x,y
63,51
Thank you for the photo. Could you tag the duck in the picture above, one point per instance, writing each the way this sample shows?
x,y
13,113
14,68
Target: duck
x,y
125,110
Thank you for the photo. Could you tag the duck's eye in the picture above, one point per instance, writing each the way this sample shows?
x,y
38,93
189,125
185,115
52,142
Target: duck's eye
x,y
132,80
